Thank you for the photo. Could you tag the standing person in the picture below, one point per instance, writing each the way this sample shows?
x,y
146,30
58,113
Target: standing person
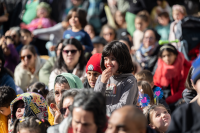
x,y
171,73
70,60
77,20
27,71
117,82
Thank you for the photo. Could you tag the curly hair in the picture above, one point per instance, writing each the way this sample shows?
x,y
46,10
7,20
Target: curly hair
x,y
7,95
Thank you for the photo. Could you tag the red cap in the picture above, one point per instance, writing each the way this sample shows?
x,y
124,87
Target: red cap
x,y
94,63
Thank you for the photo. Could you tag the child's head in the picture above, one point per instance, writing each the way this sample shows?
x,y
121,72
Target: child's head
x,y
90,30
116,55
7,95
28,104
98,44
189,84
39,88
93,69
43,10
126,41
158,117
178,12
168,54
26,36
50,99
31,125
145,75
142,20
108,33
76,2
163,18
119,19
145,88
77,17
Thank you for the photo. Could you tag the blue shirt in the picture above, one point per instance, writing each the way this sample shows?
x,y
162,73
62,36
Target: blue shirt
x,y
82,36
7,80
163,31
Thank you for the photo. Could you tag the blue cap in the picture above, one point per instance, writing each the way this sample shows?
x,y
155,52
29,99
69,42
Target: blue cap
x,y
196,70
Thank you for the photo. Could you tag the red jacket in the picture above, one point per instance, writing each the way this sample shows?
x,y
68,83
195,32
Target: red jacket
x,y
174,75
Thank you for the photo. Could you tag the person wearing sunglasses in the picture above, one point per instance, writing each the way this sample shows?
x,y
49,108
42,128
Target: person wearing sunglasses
x,y
27,72
70,60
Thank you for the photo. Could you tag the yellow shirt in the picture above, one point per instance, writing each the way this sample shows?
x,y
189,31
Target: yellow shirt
x,y
3,124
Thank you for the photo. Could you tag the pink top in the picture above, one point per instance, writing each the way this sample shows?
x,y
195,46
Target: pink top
x,y
40,23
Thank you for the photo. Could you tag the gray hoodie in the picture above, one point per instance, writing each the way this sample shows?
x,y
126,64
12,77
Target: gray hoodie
x,y
119,91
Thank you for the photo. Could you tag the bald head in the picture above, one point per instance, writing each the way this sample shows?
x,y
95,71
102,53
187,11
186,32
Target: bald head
x,y
128,118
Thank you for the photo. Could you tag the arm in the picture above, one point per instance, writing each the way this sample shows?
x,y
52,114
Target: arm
x,y
129,97
51,30
52,80
99,86
45,71
21,77
88,43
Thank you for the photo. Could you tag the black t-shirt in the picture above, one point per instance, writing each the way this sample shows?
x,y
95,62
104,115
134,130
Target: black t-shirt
x,y
185,119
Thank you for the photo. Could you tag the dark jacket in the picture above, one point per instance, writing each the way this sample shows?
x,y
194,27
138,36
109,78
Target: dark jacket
x,y
188,95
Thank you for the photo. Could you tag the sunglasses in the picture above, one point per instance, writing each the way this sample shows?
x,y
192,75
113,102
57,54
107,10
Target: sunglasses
x,y
72,51
28,57
63,110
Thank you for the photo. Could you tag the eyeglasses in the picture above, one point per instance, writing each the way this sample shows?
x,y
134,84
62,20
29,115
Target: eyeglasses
x,y
28,57
72,51
149,38
63,110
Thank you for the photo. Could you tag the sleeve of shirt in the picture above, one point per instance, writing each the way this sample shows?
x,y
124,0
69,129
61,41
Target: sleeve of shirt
x,y
88,43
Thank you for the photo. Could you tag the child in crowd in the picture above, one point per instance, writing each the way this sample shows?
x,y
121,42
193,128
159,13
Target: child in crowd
x,y
50,99
98,44
178,13
77,20
146,75
142,21
145,93
7,94
120,20
26,36
158,117
117,82
31,125
171,73
93,70
164,25
186,118
108,33
40,88
42,20
26,105
90,30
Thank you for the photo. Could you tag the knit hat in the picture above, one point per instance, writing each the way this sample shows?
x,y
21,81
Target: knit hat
x,y
73,80
99,40
94,63
196,70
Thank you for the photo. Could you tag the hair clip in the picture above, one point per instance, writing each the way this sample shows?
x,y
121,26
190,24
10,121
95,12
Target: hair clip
x,y
22,120
143,100
158,94
42,120
38,90
38,121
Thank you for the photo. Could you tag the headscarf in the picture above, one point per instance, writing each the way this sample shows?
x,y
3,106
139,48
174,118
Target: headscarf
x,y
35,105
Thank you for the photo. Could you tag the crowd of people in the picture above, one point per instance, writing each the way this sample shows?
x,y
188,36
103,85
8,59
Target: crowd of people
x,y
95,66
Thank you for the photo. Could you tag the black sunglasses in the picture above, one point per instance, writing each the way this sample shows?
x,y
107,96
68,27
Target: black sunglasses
x,y
72,51
28,56
63,110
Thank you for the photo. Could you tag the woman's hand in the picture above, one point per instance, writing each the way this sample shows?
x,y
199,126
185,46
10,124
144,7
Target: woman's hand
x,y
58,116
106,74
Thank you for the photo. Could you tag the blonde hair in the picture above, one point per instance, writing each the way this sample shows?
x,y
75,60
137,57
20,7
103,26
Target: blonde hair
x,y
144,75
179,8
147,90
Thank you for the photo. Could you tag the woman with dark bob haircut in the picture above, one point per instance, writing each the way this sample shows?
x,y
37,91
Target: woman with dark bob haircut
x,y
87,110
117,82
70,60
171,73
